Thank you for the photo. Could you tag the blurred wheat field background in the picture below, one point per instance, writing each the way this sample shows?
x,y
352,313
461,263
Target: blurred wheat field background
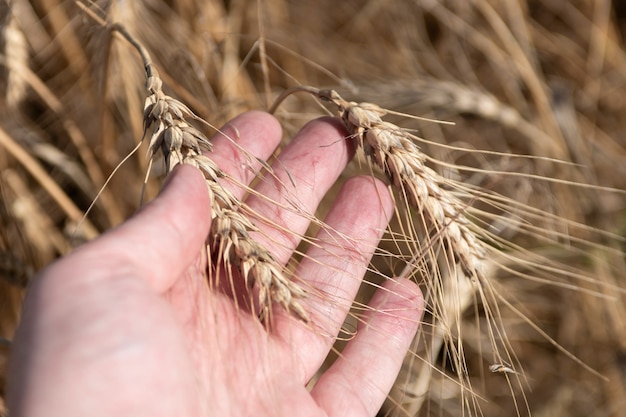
x,y
541,79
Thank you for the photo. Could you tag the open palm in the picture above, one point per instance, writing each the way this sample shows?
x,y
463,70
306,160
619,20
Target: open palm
x,y
129,325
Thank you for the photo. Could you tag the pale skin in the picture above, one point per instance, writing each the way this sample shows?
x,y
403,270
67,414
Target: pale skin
x,y
128,324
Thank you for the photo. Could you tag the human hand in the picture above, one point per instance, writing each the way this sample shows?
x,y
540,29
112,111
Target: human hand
x,y
128,324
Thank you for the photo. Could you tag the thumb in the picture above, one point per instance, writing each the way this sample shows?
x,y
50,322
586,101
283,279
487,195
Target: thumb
x,y
165,236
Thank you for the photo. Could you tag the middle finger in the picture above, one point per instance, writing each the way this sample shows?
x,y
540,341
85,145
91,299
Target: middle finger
x,y
304,171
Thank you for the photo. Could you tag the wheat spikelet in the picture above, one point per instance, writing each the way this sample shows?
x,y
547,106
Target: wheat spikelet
x,y
181,143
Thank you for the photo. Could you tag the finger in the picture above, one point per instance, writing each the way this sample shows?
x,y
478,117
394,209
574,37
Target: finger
x,y
241,144
161,240
334,267
303,173
238,149
359,381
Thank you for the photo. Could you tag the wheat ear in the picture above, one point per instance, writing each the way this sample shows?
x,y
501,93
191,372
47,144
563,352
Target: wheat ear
x,y
393,150
182,143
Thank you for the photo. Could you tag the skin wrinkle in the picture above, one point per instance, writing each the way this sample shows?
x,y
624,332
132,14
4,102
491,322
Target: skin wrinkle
x,y
186,294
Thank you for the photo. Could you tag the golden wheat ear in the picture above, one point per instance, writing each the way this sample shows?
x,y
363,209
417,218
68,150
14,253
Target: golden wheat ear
x,y
179,142
445,245
393,150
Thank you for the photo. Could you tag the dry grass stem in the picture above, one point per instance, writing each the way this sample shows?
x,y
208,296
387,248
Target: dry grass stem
x,y
37,171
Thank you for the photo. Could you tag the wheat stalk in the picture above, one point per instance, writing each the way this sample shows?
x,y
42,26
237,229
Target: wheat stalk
x,y
182,143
